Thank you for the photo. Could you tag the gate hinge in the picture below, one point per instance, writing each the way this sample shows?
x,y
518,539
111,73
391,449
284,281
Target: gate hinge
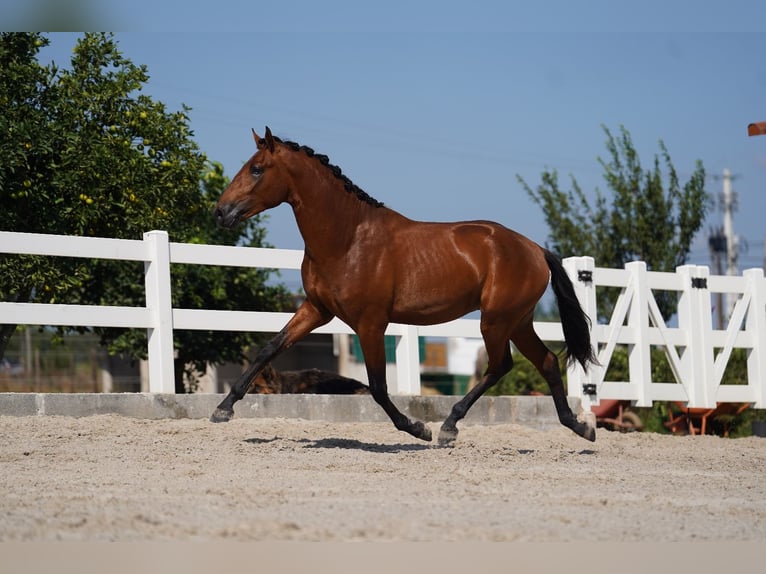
x,y
699,282
585,276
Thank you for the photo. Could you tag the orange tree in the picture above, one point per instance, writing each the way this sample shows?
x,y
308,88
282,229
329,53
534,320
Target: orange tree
x,y
85,152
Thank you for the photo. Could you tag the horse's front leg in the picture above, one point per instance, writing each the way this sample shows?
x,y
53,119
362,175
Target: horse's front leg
x,y
374,349
306,319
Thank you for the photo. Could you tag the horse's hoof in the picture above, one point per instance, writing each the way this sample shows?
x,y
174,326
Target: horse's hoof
x,y
589,434
421,431
447,436
586,426
221,416
585,431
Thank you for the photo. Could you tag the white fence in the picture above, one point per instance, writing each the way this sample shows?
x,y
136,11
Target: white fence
x,y
636,322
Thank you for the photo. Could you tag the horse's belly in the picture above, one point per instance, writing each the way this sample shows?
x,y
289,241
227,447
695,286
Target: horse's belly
x,y
430,316
434,302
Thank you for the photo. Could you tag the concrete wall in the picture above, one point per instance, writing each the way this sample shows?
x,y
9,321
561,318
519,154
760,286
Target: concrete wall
x,y
534,412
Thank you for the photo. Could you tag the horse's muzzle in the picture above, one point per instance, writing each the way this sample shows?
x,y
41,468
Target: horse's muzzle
x,y
226,216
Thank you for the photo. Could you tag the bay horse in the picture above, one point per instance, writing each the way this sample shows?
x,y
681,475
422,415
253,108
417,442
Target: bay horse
x,y
369,266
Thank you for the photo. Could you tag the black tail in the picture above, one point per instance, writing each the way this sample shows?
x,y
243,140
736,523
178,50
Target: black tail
x,y
574,321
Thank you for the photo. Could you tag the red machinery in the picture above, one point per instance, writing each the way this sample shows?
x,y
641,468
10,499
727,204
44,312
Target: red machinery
x,y
613,414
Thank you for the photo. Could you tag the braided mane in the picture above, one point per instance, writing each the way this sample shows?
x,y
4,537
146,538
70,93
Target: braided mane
x,y
349,185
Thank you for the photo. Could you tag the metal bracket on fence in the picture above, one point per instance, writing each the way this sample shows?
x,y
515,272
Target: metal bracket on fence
x,y
589,389
699,282
585,276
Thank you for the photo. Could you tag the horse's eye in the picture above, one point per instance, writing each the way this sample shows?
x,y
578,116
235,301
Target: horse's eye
x,y
256,171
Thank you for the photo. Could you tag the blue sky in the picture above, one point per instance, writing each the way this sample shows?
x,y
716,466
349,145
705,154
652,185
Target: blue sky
x,y
434,108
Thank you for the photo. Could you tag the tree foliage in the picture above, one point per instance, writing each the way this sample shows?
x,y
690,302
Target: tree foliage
x,y
85,152
648,215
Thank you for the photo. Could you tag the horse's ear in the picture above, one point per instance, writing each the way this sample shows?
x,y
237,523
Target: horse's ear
x,y
269,140
256,137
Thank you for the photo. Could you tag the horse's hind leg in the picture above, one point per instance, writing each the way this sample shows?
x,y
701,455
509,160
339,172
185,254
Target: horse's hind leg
x,y
500,362
546,362
306,319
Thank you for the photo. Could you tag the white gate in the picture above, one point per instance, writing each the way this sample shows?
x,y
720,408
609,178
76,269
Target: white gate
x,y
696,352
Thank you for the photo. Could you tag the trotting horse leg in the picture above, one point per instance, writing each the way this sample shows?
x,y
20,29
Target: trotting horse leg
x,y
500,362
374,350
306,319
546,362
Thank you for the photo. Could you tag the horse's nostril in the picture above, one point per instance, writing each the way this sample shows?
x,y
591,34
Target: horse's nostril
x,y
218,214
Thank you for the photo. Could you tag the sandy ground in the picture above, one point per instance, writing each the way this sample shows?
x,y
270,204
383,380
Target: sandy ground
x,y
112,478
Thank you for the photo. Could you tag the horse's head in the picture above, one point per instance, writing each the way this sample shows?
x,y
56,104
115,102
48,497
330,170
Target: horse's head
x,y
258,186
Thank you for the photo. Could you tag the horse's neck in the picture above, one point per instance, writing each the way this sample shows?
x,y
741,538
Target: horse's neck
x,y
329,217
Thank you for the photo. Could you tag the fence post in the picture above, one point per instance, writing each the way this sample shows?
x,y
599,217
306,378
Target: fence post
x,y
639,354
695,317
159,303
407,362
579,383
756,323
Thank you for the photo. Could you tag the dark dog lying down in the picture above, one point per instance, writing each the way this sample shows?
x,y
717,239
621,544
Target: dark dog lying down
x,y
310,381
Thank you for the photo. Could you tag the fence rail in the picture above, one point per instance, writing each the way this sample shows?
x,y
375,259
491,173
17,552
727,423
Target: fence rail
x,y
636,322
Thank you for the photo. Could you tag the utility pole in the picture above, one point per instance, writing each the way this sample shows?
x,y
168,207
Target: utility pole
x,y
724,244
717,244
729,204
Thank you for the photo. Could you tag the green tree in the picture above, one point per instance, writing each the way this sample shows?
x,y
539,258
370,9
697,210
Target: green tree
x,y
649,216
87,153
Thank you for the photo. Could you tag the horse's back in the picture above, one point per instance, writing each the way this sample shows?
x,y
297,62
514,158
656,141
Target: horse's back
x,y
483,247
